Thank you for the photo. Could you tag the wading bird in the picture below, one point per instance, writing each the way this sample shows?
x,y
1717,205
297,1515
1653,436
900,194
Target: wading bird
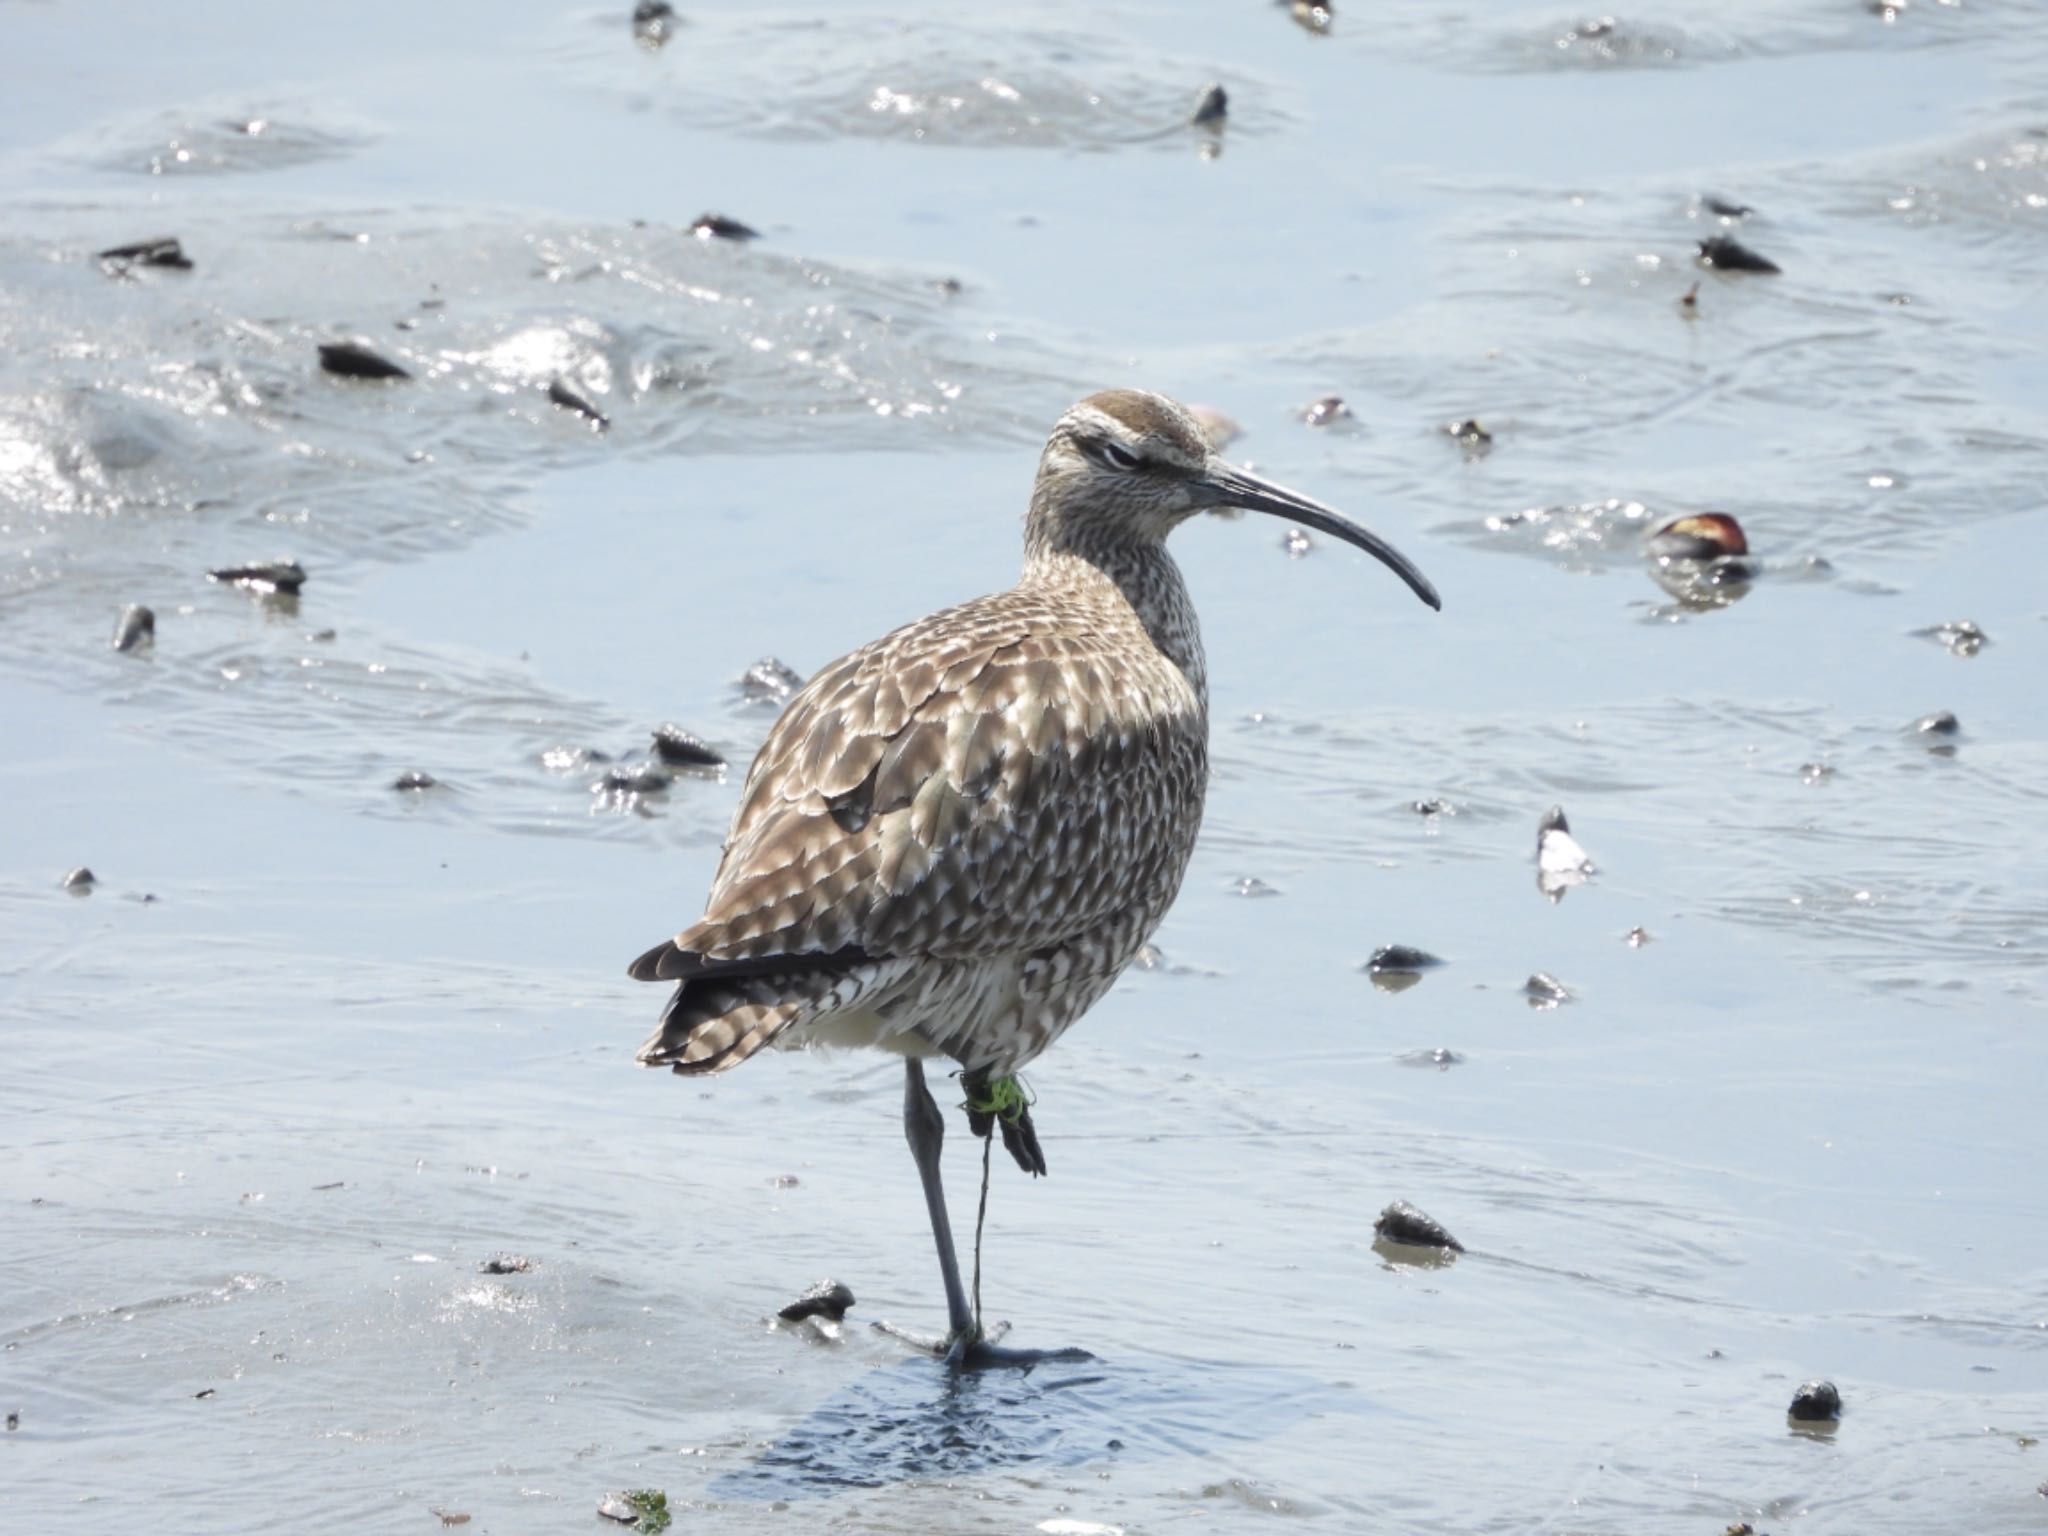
x,y
956,838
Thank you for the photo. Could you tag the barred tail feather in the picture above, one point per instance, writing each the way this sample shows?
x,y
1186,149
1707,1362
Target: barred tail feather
x,y
706,1030
723,1011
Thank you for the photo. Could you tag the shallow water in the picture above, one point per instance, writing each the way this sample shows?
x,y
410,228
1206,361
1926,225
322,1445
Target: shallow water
x,y
315,1050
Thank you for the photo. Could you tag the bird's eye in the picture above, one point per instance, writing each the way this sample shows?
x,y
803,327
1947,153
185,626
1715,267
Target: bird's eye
x,y
1120,456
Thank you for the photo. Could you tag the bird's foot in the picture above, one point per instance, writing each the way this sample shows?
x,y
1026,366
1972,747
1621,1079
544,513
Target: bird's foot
x,y
968,1352
924,1343
980,1350
1005,1102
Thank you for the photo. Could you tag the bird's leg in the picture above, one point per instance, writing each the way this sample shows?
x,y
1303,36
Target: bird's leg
x,y
925,1129
1003,1102
966,1346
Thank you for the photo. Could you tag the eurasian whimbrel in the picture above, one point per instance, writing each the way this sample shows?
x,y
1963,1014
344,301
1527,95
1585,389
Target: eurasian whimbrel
x,y
956,838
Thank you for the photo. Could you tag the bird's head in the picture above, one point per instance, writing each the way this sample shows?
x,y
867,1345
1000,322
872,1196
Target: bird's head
x,y
1126,467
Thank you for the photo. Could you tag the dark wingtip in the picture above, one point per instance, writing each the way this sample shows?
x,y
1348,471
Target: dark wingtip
x,y
650,966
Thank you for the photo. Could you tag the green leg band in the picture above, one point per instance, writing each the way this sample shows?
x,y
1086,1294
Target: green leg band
x,y
1004,1097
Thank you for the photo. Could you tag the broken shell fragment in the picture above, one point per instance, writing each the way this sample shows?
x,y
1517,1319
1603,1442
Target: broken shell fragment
x,y
357,360
829,1299
135,628
1725,253
1404,1223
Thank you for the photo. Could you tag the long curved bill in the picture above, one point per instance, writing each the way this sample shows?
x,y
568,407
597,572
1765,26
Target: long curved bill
x,y
1234,487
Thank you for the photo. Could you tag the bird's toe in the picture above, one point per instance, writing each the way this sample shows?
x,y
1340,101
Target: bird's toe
x,y
1020,1140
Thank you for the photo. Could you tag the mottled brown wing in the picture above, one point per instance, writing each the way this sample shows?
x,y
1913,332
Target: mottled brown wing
x,y
975,784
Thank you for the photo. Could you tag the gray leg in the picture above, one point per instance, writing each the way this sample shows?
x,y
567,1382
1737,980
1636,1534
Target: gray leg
x,y
925,1129
965,1346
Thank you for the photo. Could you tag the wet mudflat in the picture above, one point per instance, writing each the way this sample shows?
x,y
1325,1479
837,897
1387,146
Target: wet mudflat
x,y
312,1055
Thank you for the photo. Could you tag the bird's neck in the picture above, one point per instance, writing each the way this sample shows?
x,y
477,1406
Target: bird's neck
x,y
1140,579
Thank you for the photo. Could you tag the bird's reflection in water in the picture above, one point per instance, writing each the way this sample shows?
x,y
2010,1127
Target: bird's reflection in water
x,y
919,1422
